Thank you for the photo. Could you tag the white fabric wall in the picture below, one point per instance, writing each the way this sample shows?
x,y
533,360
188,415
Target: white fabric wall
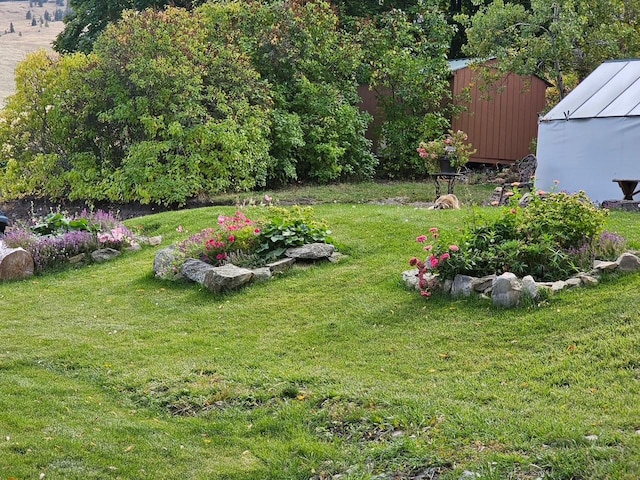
x,y
587,154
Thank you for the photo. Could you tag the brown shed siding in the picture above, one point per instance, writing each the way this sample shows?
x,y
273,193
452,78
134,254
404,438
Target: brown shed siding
x,y
502,126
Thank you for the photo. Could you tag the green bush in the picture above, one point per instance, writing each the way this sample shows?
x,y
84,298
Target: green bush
x,y
552,238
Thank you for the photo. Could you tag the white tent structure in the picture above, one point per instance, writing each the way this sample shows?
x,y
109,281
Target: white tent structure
x,y
592,136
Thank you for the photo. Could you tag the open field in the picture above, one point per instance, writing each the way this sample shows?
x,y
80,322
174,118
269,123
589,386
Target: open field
x,y
15,46
331,371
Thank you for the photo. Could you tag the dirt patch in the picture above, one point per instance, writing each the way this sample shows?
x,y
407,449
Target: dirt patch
x,y
15,46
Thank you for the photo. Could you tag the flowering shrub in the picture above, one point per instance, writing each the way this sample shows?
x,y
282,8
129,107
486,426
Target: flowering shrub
x,y
554,237
58,237
438,254
212,245
115,238
453,146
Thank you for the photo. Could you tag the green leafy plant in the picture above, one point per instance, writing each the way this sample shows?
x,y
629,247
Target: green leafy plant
x,y
288,228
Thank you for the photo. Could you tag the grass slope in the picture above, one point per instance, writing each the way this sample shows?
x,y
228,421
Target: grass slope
x,y
333,369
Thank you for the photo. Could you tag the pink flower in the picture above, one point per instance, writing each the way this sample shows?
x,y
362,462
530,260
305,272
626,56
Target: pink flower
x,y
413,261
267,199
221,256
427,248
179,229
221,219
232,239
454,248
433,230
421,239
256,231
512,211
435,235
425,293
433,262
541,192
444,256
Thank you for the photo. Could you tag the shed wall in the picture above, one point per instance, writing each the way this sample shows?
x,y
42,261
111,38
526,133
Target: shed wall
x,y
502,126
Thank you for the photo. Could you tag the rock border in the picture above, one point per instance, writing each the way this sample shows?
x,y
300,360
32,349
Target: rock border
x,y
231,277
509,291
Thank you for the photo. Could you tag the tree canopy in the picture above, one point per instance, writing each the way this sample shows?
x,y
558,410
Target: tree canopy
x,y
554,39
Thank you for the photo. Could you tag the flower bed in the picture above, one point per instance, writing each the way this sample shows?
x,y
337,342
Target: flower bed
x,y
245,247
60,239
554,237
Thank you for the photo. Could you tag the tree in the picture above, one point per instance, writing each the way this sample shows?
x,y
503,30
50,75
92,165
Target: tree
x,y
155,114
88,18
553,39
318,133
407,68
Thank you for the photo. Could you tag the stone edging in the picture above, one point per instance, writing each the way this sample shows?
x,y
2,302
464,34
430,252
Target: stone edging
x,y
507,290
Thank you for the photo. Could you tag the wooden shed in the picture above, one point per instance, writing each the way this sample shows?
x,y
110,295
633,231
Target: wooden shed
x,y
503,121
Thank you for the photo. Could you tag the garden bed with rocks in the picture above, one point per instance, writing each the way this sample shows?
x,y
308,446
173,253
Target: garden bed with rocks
x,y
508,290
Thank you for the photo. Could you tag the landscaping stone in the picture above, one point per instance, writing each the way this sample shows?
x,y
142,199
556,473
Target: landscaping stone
x,y
506,290
483,284
312,251
282,265
104,254
530,287
154,241
164,261
261,274
573,282
628,262
226,277
195,270
410,279
462,285
588,280
603,265
77,258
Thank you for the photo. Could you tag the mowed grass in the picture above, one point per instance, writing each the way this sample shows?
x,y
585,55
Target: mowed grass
x,y
335,369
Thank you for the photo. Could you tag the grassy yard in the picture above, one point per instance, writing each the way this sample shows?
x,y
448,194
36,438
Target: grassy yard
x,y
329,371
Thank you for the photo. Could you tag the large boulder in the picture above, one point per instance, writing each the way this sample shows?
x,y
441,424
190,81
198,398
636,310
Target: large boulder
x,y
312,251
506,291
104,254
195,270
628,262
462,285
165,261
226,277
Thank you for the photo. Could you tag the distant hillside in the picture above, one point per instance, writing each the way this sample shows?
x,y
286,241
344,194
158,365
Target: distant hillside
x,y
26,37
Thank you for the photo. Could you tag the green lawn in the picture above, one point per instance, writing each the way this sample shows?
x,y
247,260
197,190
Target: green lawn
x,y
106,372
